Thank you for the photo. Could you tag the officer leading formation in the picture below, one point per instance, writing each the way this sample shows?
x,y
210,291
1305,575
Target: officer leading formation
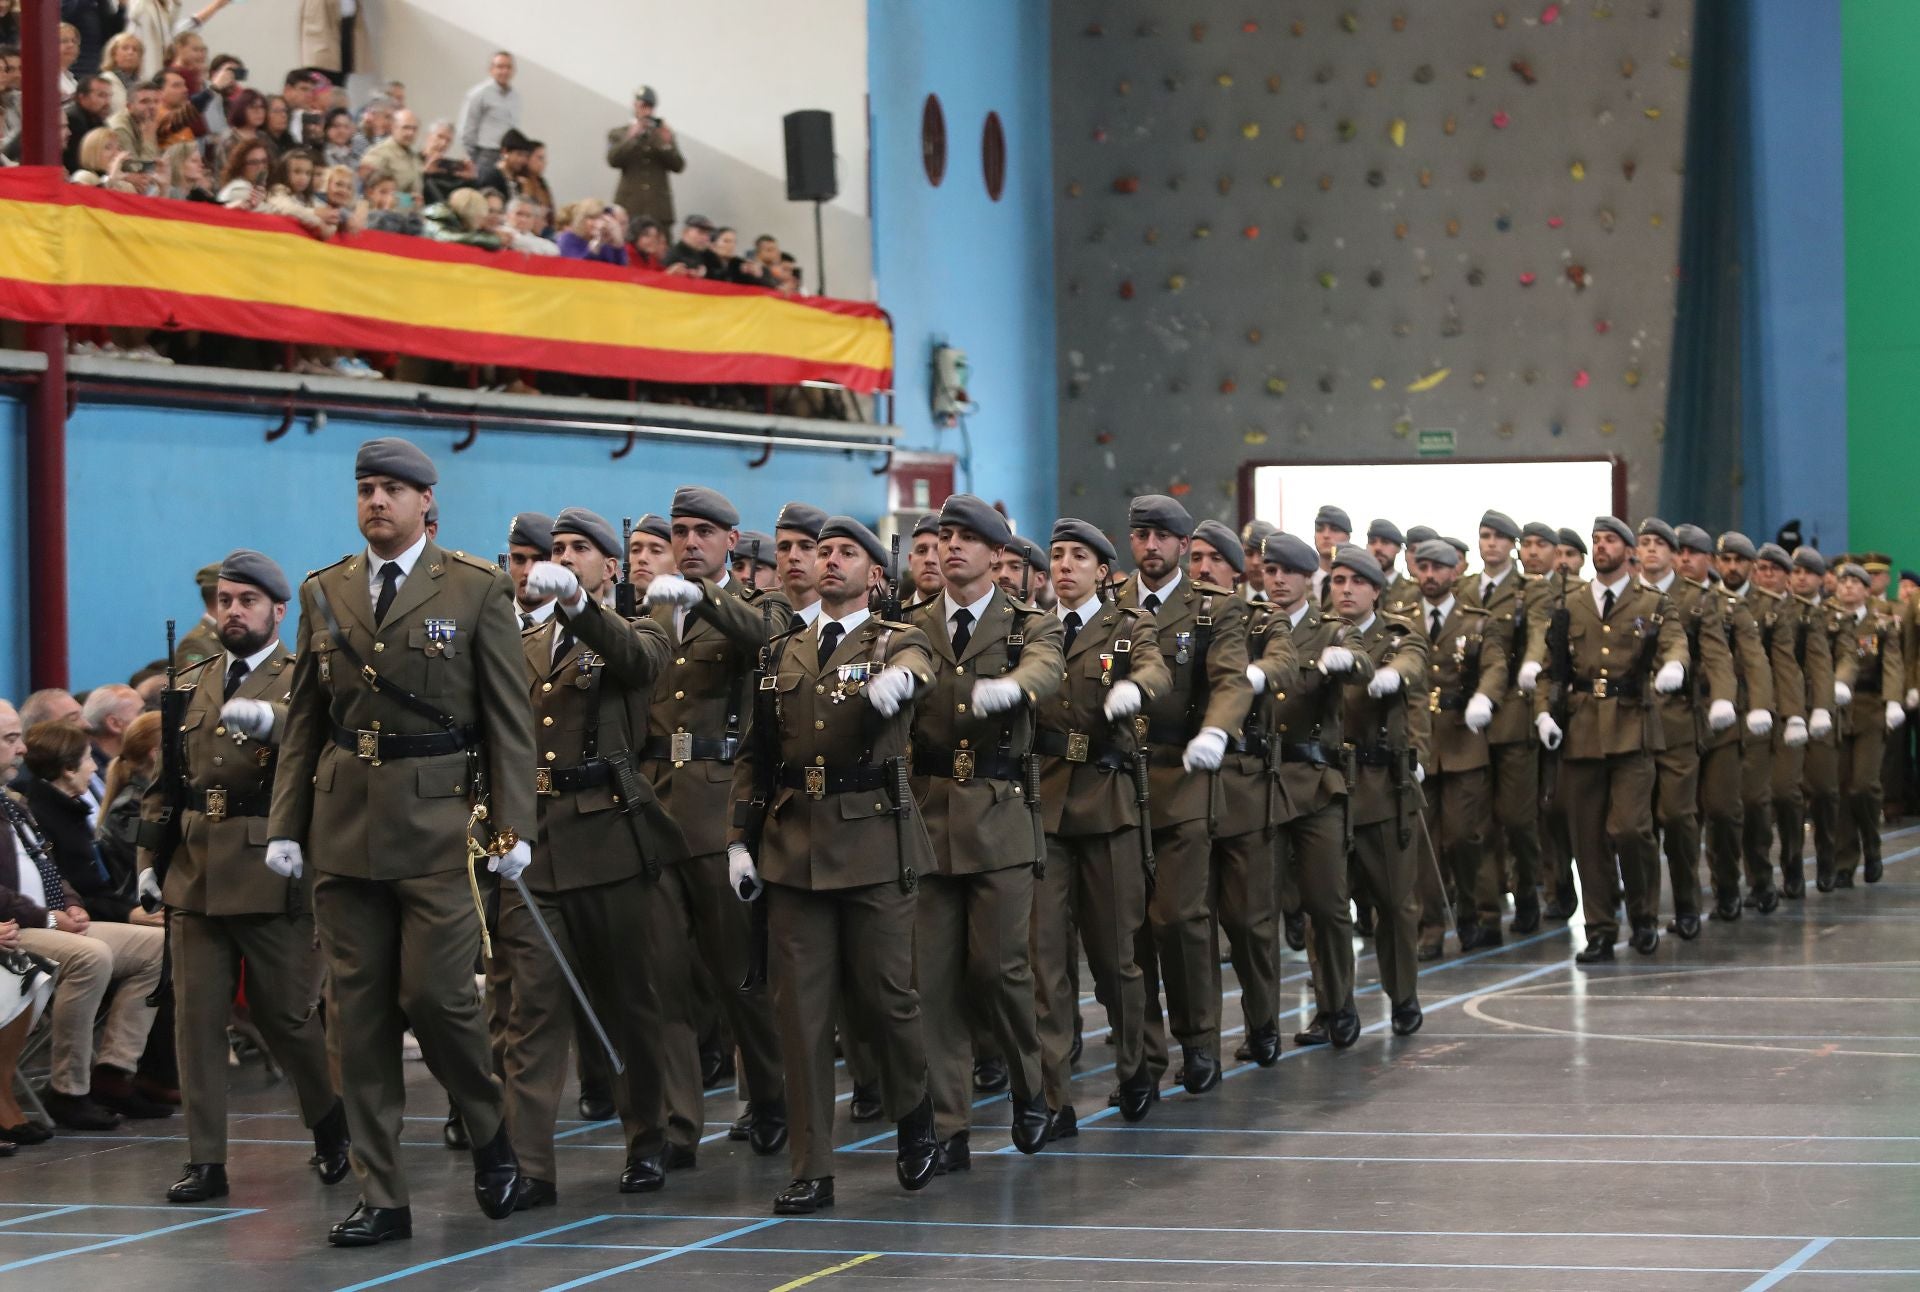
x,y
793,790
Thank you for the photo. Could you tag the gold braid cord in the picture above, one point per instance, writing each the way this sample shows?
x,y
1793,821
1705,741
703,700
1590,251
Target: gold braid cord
x,y
498,846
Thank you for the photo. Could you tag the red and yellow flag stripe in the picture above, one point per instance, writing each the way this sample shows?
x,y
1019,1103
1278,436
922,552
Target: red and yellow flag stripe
x,y
73,254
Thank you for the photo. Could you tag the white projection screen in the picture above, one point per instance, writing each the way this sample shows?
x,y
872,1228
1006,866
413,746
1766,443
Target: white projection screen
x,y
1448,494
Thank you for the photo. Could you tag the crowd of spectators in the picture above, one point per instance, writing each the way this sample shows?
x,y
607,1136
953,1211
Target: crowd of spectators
x,y
149,110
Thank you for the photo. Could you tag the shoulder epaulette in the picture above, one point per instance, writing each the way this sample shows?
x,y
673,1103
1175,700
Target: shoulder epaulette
x,y
478,562
195,667
797,628
1399,622
894,624
1211,589
1136,611
1465,609
314,574
1024,607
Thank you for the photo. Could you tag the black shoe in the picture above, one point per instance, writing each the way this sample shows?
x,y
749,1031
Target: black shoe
x,y
645,1173
1263,1045
804,1197
1079,1042
25,1133
1560,908
990,1076
1136,1095
742,1126
496,1176
203,1180
682,1157
1064,1124
454,1133
955,1155
1645,940
916,1148
1526,915
369,1225
1489,935
78,1112
767,1127
1873,870
1793,882
1599,951
1823,875
866,1104
1030,1124
331,1146
597,1108
1726,905
1362,921
1431,950
1296,930
715,1067
1407,1017
535,1193
1469,935
1685,927
1767,900
1201,1072
1243,1052
1843,880
1343,1027
1315,1033
115,1091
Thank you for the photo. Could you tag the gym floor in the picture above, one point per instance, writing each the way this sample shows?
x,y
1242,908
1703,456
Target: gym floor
x,y
1738,1113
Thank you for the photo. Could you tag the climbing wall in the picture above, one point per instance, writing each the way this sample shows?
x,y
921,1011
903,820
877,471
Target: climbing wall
x,y
1310,230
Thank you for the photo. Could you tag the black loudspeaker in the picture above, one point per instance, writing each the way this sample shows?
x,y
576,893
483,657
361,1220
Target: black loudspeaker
x,y
810,176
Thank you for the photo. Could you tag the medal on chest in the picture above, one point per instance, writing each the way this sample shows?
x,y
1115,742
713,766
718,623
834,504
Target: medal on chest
x,y
1182,647
851,678
584,666
439,635
1106,668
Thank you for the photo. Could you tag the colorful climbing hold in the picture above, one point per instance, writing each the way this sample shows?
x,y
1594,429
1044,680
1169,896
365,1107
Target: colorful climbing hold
x,y
1501,120
1397,131
1578,170
1581,380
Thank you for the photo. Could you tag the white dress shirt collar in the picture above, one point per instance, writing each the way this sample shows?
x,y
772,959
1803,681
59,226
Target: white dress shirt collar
x,y
255,660
1164,593
1664,584
1299,612
1617,588
406,561
1086,609
1445,608
809,614
847,625
978,609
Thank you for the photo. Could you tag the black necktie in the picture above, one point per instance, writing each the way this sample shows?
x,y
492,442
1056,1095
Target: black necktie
x,y
830,640
1151,603
562,643
389,584
1073,628
235,675
1433,631
962,631
1606,604
36,848
526,621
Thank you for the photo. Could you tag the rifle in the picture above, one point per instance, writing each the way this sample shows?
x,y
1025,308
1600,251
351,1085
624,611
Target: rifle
x,y
1559,684
173,791
764,719
889,607
1030,764
1138,765
626,603
899,788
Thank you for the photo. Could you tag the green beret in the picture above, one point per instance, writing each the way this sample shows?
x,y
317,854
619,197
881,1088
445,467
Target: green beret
x,y
1159,511
701,503
655,524
1809,559
1386,531
531,529
1295,555
393,456
1070,530
1613,525
1691,538
1358,559
848,527
802,518
1661,530
1500,523
248,566
969,512
1222,540
1735,543
1541,530
1570,537
1439,552
590,526
757,546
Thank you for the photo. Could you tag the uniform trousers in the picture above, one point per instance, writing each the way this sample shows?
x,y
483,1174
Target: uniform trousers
x,y
1243,897
1097,885
1176,944
1515,768
1720,804
1823,799
1860,803
1790,809
1756,808
1610,810
1386,868
1676,772
1312,850
1457,811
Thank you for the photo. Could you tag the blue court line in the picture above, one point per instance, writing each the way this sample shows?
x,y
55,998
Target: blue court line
x,y
45,1215
584,1128
468,1255
56,1233
1144,1129
170,1208
25,1261
667,1255
1781,1272
1453,1161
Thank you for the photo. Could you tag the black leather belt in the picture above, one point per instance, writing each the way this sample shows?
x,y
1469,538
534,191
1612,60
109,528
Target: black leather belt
x,y
379,746
966,765
1376,756
571,780
219,804
685,747
1453,701
1311,751
1076,747
1605,688
1251,742
818,782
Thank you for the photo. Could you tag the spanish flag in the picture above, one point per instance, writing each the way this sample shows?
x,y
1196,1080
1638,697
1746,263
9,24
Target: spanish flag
x,y
74,254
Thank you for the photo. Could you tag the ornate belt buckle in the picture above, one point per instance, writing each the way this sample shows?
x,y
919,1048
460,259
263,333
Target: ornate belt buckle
x,y
816,782
216,805
367,745
681,747
1433,700
1077,747
1599,688
963,765
1141,726
543,780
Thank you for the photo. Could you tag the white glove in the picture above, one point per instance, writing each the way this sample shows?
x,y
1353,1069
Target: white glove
x,y
1896,716
1720,714
1479,713
515,863
1529,677
1671,677
893,688
1820,725
674,590
1759,722
741,873
1796,733
550,579
1386,681
1256,679
1205,750
1842,694
1549,731
149,889
1913,698
1336,659
248,717
1419,774
1123,701
996,695
283,858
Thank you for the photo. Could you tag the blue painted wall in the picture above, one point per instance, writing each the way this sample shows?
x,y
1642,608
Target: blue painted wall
x,y
954,266
1796,369
155,493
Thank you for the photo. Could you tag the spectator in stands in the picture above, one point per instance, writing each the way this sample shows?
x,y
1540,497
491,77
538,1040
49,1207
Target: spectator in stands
x,y
150,681
588,233
243,180
97,21
138,126
223,79
26,987
442,169
10,115
462,218
734,268
108,712
55,924
10,24
648,250
376,123
246,123
50,704
490,109
337,148
279,127
177,121
99,155
647,154
291,194
332,37
128,777
121,60
185,173
69,52
396,157
766,250
695,248
533,179
187,55
503,176
157,22
525,219
379,208
62,764
88,112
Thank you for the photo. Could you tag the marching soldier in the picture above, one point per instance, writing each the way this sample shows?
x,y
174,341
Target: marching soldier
x,y
1304,720
1093,791
1571,554
1023,564
1694,763
696,725
1241,885
754,561
408,708
1386,542
1868,681
1784,695
996,661
923,559
202,641
649,551
602,844
1331,527
1385,725
1201,629
825,820
1540,556
223,905
1252,535
1466,666
796,538
529,542
1812,653
1537,548
1622,645
1808,579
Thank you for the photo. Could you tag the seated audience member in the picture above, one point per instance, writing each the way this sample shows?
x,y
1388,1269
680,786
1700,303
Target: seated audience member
x,y
396,156
443,169
695,248
462,218
137,125
91,106
379,208
61,761
131,773
176,120
243,182
733,268
648,250
120,63
185,174
337,134
588,233
503,176
26,985
106,714
149,682
291,194
524,221
376,123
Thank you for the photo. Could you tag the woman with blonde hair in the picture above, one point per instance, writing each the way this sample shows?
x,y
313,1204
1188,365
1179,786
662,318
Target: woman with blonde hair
x,y
120,62
129,776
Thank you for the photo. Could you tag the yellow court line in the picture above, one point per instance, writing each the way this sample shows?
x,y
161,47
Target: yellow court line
x,y
831,1269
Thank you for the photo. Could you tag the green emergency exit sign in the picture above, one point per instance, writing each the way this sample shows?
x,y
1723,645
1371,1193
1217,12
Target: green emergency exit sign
x,y
1435,443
